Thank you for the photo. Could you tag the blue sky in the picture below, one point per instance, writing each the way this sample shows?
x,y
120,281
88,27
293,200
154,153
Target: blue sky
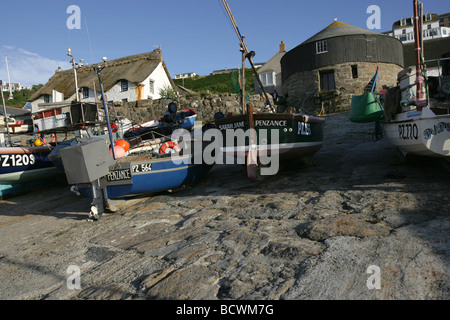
x,y
194,35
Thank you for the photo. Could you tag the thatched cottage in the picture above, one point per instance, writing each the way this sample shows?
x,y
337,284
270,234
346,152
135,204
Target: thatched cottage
x,y
131,78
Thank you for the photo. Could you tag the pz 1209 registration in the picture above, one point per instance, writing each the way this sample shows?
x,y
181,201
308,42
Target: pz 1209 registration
x,y
17,160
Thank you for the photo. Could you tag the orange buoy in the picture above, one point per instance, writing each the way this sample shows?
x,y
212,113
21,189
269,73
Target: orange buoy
x,y
123,143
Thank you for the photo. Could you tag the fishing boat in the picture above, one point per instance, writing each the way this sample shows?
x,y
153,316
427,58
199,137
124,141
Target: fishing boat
x,y
420,126
299,135
171,121
22,167
104,170
415,119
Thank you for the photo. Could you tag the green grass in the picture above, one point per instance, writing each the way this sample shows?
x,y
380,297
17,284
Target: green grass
x,y
219,83
20,98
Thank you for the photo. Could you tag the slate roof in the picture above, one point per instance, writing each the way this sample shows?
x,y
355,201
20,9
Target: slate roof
x,y
15,112
338,29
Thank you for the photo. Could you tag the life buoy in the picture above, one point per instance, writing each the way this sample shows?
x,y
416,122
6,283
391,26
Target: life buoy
x,y
169,145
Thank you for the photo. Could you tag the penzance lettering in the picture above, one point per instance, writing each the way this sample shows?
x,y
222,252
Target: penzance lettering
x,y
119,175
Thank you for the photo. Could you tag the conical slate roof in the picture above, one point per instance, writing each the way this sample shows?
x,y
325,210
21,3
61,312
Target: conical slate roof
x,y
338,29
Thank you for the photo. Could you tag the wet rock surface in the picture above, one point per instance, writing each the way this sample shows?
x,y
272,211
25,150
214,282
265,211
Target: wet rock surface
x,y
314,231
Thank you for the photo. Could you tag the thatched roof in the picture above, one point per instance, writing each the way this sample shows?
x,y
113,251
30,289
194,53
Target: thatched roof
x,y
134,68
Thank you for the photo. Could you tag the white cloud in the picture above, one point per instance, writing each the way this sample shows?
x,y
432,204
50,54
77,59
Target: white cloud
x,y
27,67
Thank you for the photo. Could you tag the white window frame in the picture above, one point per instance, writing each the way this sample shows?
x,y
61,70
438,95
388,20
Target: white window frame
x,y
85,92
264,77
321,46
124,85
152,86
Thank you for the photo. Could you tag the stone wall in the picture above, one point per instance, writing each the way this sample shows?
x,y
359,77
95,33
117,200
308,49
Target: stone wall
x,y
306,84
298,87
205,106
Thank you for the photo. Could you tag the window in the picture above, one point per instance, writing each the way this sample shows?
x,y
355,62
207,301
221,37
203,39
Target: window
x,y
85,92
152,86
321,46
355,72
402,22
327,80
124,85
46,98
267,78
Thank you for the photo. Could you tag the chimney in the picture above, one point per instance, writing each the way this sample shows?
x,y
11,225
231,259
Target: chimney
x,y
282,47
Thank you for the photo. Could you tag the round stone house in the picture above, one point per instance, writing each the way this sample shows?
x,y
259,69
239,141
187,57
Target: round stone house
x,y
337,63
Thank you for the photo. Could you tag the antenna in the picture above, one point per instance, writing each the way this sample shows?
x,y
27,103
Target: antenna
x,y
77,95
89,39
5,115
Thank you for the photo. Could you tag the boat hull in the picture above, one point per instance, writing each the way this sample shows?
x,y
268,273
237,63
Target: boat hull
x,y
141,175
23,164
25,168
298,135
421,133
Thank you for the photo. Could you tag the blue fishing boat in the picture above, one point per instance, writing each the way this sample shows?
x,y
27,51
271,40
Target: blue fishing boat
x,y
91,168
103,170
23,168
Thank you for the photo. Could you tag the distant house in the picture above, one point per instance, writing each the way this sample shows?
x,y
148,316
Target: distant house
x,y
131,78
185,75
14,87
270,73
434,27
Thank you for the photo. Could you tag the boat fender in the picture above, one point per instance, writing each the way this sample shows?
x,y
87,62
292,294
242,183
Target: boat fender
x,y
169,145
119,152
38,142
123,143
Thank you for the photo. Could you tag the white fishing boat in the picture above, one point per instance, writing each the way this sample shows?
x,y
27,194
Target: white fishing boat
x,y
416,121
420,132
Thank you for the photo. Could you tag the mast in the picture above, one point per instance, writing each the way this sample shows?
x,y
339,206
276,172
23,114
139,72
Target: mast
x,y
77,95
248,55
5,116
98,70
9,80
243,82
420,102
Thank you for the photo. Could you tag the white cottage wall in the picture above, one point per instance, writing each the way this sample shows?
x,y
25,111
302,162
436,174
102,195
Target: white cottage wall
x,y
160,81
